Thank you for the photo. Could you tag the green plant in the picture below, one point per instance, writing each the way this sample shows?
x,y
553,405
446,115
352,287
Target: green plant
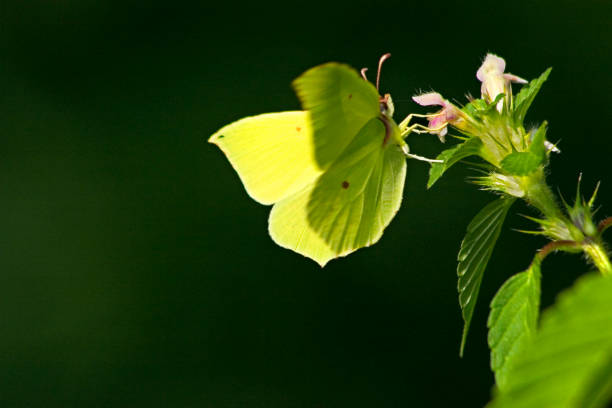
x,y
339,184
563,359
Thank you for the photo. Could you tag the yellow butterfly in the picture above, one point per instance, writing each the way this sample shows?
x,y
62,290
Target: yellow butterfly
x,y
334,171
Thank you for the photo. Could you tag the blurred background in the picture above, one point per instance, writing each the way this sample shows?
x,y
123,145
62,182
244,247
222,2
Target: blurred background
x,y
135,270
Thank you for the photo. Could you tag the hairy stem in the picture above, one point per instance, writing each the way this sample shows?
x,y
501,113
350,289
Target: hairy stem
x,y
556,246
539,195
604,224
598,255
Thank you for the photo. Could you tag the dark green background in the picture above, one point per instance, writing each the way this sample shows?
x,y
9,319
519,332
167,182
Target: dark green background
x,y
135,270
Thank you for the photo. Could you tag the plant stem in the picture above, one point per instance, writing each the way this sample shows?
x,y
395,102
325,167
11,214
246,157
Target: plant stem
x,y
604,224
556,246
538,194
599,257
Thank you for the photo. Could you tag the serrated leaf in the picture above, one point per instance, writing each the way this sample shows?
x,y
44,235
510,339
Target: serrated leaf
x,y
513,320
525,97
569,362
451,156
474,255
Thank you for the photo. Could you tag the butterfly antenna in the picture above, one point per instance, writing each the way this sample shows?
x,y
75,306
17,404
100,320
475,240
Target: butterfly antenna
x,y
380,62
363,73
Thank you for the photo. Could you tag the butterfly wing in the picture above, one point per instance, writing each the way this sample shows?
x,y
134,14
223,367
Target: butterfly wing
x,y
272,153
288,226
348,206
340,103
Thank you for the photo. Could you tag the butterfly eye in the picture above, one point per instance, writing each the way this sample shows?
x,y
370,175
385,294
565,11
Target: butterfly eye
x,y
384,107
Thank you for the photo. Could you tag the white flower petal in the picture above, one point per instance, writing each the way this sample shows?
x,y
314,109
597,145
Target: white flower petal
x,y
430,98
514,78
492,65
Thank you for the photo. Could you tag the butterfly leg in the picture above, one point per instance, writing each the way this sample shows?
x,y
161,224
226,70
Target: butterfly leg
x,y
421,158
405,129
406,150
418,128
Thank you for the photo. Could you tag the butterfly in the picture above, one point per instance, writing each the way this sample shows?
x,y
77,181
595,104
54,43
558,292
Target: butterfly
x,y
334,171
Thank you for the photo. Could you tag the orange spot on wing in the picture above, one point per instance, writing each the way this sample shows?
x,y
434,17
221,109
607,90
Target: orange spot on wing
x,y
298,128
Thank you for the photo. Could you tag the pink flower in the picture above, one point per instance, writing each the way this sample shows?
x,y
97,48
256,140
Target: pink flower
x,y
438,121
494,80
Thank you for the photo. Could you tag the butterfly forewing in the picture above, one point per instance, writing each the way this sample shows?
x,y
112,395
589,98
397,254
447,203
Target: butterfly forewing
x,y
272,153
340,103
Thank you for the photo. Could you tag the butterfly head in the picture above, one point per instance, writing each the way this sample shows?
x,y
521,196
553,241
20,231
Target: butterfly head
x,y
386,105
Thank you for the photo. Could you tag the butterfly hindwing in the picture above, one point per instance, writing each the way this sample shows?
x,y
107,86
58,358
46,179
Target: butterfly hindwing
x,y
288,226
349,206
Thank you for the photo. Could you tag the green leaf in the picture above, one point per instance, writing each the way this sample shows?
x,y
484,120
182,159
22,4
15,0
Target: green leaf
x,y
513,320
569,362
475,252
477,105
480,105
451,156
525,97
520,163
493,105
536,146
524,163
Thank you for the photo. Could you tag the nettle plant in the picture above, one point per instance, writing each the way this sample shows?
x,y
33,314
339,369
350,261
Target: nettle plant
x,y
335,172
